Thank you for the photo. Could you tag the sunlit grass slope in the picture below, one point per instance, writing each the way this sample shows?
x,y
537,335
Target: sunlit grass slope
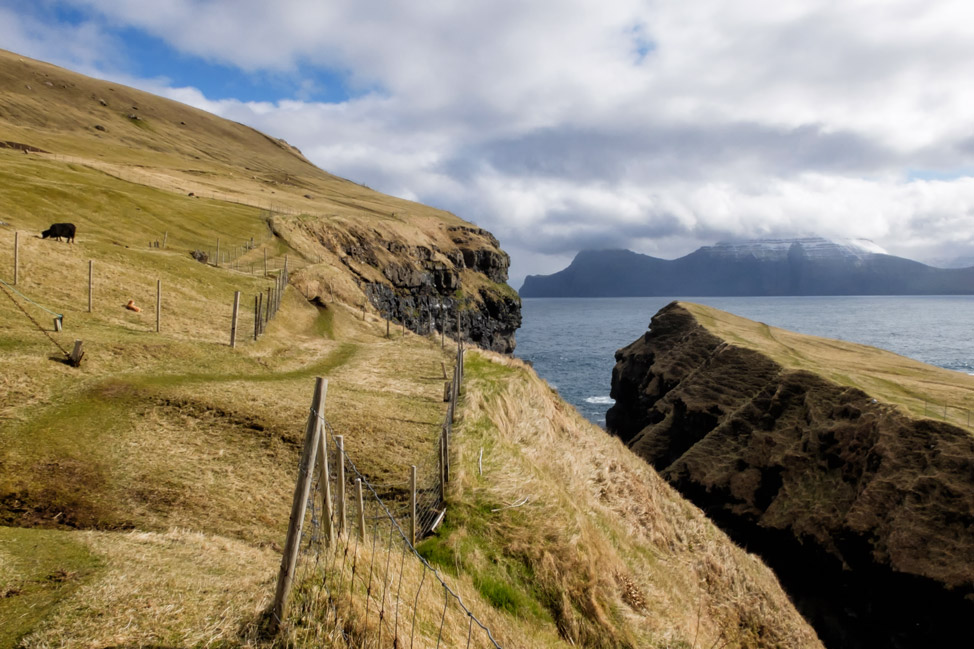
x,y
921,389
144,495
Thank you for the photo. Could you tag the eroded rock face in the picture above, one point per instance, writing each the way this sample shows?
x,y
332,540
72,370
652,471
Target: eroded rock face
x,y
426,281
866,514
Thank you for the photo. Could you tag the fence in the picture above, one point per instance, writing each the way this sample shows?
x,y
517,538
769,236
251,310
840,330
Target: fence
x,y
362,583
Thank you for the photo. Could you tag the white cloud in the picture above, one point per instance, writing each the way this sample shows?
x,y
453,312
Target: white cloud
x,y
657,125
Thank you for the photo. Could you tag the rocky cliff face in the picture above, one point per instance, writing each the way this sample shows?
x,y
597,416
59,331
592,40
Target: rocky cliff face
x,y
866,513
427,275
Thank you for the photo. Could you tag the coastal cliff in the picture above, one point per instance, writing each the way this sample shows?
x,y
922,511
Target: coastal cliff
x,y
864,510
426,276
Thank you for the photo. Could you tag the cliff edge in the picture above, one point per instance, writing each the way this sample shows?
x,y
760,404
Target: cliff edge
x,y
864,509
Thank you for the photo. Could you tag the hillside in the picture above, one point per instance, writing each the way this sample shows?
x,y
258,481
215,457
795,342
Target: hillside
x,y
145,495
809,266
848,468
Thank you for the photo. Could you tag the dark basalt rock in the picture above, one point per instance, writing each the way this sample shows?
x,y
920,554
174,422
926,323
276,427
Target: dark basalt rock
x,y
866,514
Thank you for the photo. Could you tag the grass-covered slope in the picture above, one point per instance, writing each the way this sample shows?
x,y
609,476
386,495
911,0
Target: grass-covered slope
x,y
144,495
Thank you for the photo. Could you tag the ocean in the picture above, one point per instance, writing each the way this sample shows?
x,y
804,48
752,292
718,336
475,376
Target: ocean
x,y
572,341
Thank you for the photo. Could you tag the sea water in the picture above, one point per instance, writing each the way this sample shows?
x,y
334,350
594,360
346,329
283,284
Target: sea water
x,y
572,341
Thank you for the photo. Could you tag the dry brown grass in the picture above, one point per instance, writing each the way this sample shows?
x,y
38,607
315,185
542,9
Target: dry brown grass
x,y
921,389
173,589
610,552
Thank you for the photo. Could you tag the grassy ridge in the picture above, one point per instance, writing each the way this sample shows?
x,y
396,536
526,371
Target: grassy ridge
x,y
921,389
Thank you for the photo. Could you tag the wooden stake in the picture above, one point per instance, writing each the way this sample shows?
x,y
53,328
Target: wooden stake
x,y
16,256
77,353
57,323
165,238
324,475
158,305
256,316
340,461
91,263
218,252
302,489
259,322
447,390
233,325
442,467
443,366
412,505
361,508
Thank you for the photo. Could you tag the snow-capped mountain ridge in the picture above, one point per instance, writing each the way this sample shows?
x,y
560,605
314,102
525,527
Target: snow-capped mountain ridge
x,y
811,247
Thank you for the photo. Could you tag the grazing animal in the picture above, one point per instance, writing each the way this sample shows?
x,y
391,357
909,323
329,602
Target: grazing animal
x,y
58,230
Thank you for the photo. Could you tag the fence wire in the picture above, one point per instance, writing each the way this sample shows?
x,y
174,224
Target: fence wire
x,y
372,589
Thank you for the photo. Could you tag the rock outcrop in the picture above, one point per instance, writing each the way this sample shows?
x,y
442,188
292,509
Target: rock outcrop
x,y
865,512
426,277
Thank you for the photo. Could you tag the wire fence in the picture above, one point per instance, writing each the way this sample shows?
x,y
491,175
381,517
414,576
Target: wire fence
x,y
356,578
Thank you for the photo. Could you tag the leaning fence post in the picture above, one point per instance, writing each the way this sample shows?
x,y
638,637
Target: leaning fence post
x,y
412,505
340,457
233,325
302,489
361,508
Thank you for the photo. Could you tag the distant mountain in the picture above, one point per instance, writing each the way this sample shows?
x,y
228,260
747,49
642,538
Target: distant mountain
x,y
806,266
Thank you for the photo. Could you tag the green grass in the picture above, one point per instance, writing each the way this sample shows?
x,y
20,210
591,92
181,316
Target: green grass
x,y
38,569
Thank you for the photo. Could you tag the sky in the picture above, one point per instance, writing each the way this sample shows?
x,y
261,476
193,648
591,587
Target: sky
x,y
562,125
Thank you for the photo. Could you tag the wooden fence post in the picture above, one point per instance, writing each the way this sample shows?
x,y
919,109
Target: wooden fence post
x,y
158,305
218,251
412,505
233,325
442,469
361,508
340,496
259,300
267,310
446,453
91,263
302,489
443,367
265,262
165,238
16,256
77,353
324,475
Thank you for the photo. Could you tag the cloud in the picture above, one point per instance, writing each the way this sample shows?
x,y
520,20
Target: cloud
x,y
656,125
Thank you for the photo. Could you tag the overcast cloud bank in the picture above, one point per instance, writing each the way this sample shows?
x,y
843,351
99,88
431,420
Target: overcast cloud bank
x,y
657,126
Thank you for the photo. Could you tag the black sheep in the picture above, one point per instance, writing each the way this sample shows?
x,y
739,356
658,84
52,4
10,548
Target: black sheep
x,y
59,230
